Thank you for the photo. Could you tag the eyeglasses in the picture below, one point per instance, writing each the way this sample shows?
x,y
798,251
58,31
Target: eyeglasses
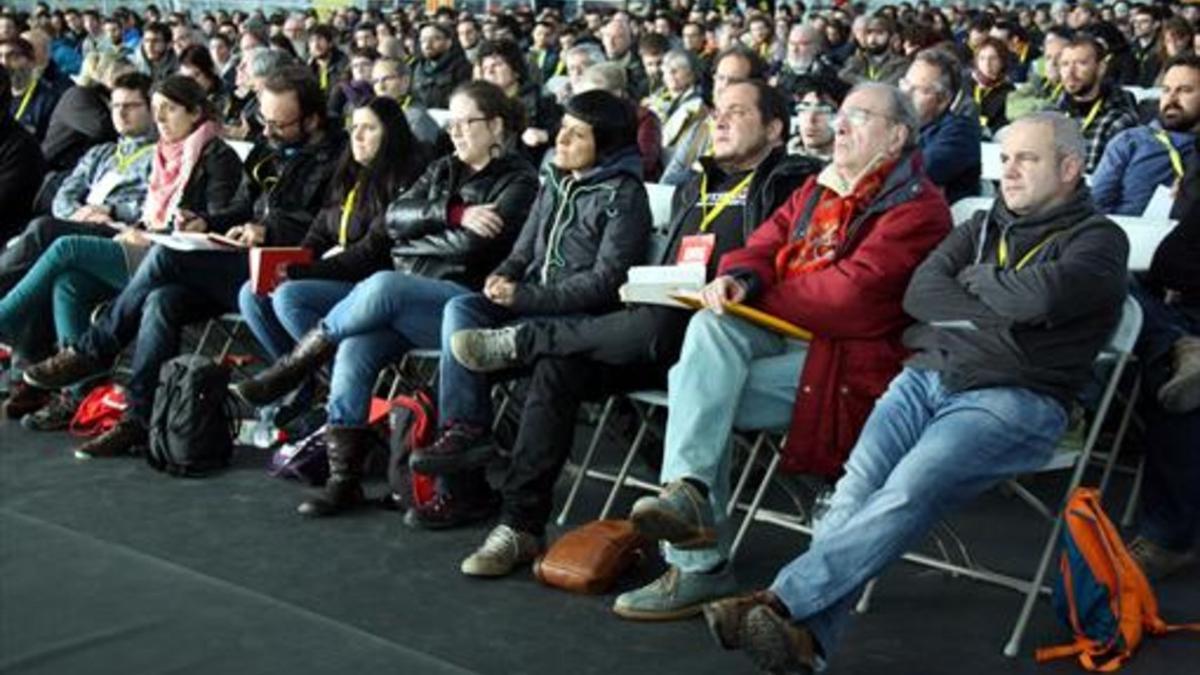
x,y
858,117
385,79
461,125
276,126
814,108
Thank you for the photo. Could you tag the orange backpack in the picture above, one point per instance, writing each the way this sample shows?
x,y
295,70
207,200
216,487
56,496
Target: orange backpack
x,y
1101,592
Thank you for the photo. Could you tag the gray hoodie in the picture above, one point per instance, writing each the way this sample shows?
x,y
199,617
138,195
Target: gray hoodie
x,y
1037,322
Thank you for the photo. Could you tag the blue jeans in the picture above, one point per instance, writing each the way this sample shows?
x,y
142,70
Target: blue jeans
x,y
380,320
923,452
68,280
1170,506
280,319
730,374
463,396
169,290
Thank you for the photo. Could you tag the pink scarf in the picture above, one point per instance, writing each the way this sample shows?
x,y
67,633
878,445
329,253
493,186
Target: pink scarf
x,y
170,171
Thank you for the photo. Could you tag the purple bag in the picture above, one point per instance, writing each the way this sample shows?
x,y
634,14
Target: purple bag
x,y
306,460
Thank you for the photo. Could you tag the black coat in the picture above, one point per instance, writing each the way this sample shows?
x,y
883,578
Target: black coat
x,y
215,180
433,81
581,237
80,120
415,235
21,171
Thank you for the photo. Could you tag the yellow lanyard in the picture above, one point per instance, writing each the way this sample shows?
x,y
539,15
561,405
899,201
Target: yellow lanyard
x,y
1176,159
347,212
1002,252
980,92
125,161
872,71
1057,90
324,75
1091,116
26,98
541,59
267,183
709,216
407,100
560,68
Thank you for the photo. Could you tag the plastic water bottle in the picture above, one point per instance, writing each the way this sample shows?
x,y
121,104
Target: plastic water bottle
x,y
264,428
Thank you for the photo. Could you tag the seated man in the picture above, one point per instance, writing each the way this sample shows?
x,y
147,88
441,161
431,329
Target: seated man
x,y
1012,309
949,139
1102,109
588,225
745,179
1169,349
285,184
835,260
1140,159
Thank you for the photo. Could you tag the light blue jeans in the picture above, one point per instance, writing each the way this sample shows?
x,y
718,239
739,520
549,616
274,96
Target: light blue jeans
x,y
730,375
924,451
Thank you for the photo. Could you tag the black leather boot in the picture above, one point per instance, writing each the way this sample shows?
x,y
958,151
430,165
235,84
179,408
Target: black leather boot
x,y
343,491
290,371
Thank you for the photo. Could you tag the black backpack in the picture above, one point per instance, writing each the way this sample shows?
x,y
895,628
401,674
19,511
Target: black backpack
x,y
192,425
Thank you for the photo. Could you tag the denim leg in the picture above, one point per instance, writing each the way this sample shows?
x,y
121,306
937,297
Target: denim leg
x,y
301,304
264,325
463,396
355,368
407,304
706,390
22,251
964,443
167,310
118,326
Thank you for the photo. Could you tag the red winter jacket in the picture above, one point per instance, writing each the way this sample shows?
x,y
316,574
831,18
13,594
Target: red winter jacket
x,y
852,307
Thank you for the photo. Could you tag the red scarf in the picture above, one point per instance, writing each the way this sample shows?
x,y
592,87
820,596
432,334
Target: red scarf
x,y
170,171
827,227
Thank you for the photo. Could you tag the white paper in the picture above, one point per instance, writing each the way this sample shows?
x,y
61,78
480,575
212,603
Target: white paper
x,y
1160,204
188,241
103,187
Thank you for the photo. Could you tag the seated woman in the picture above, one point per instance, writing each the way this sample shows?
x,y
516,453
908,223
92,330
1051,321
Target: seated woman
x,y
357,90
192,170
502,64
683,109
382,160
196,62
383,296
990,86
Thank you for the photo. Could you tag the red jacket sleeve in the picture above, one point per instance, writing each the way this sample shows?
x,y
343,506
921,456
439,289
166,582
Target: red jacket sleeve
x,y
860,295
757,257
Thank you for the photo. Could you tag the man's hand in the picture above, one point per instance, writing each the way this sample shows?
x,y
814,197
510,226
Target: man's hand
x,y
92,214
187,221
132,236
722,291
250,234
535,137
483,220
500,290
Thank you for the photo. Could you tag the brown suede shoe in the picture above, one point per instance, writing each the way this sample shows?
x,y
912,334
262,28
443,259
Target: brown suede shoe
x,y
64,369
776,645
126,438
726,616
1181,394
24,399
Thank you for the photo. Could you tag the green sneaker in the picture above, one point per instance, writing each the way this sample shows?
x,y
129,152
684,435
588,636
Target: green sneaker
x,y
675,595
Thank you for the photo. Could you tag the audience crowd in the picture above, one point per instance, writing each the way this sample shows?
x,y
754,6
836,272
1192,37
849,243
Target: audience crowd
x,y
476,185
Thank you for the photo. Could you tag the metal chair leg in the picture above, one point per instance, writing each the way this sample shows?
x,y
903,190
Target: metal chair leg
x,y
643,429
754,505
587,460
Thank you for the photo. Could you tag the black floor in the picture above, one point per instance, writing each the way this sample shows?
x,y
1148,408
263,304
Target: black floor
x,y
108,567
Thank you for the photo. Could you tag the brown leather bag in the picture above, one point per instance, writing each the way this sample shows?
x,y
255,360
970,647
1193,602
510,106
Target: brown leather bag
x,y
590,558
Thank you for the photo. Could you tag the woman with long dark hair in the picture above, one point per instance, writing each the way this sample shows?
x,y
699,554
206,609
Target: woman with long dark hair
x,y
384,295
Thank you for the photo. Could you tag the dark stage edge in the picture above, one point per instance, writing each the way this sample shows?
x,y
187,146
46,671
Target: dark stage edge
x,y
109,567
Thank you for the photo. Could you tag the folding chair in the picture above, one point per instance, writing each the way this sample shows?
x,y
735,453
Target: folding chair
x,y
1117,355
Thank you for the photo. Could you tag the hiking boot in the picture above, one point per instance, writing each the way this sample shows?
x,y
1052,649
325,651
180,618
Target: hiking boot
x,y
679,515
1159,562
289,372
486,350
128,437
54,416
64,369
675,595
1181,394
458,448
24,399
725,617
446,510
775,644
347,451
504,549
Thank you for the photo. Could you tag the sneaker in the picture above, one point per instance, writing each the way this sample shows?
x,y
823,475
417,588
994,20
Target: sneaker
x,y
675,595
1159,562
458,448
679,515
775,644
64,369
502,551
485,350
24,399
1181,394
445,511
54,416
725,617
126,438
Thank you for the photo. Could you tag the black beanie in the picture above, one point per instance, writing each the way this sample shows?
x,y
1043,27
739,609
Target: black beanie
x,y
613,120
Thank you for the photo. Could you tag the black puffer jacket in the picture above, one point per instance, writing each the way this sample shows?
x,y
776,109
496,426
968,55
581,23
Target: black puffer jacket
x,y
415,235
282,189
581,237
434,80
215,180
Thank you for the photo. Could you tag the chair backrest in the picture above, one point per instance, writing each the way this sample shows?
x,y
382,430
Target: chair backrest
x,y
1145,234
660,203
439,115
989,154
242,148
1125,336
1145,93
965,208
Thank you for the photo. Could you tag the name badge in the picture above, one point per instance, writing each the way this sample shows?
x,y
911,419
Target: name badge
x,y
697,248
103,187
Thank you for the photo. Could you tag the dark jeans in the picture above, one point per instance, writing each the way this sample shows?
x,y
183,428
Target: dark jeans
x,y
1170,508
170,290
573,360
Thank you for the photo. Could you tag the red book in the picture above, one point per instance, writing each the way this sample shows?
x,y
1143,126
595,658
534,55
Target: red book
x,y
267,265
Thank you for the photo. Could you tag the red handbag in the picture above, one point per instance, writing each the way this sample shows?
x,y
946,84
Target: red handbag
x,y
99,411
